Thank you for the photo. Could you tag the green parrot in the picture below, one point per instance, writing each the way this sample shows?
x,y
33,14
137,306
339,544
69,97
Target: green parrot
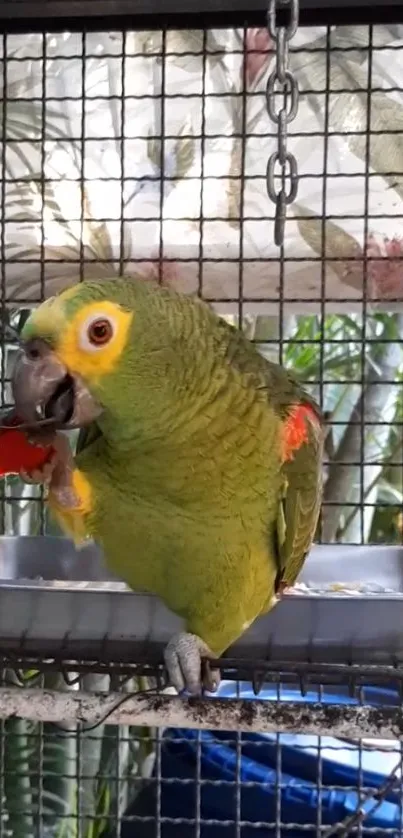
x,y
199,464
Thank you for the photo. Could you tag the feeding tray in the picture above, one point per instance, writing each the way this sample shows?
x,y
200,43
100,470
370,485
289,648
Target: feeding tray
x,y
347,608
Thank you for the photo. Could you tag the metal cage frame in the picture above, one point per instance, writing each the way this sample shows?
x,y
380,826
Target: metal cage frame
x,y
363,650
31,15
28,640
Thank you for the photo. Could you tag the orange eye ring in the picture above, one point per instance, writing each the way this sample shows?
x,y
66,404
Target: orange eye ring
x,y
100,331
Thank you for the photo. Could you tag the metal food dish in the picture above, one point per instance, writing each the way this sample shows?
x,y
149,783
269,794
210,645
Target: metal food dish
x,y
52,595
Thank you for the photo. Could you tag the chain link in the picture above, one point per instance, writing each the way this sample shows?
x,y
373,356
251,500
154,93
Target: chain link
x,y
282,82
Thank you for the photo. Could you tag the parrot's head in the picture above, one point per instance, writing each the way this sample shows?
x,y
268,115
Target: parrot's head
x,y
75,348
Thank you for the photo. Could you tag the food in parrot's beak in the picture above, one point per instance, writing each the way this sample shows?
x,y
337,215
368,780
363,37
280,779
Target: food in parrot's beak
x,y
17,453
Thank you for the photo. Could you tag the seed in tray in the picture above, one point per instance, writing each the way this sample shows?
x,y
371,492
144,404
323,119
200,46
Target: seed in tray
x,y
344,588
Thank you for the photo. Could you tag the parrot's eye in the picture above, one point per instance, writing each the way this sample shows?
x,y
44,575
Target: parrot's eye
x,y
97,331
100,331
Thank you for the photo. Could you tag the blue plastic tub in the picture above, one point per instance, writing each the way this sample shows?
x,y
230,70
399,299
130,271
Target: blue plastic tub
x,y
340,760
291,792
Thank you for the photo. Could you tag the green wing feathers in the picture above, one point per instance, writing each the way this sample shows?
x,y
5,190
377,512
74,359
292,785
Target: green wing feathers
x,y
301,496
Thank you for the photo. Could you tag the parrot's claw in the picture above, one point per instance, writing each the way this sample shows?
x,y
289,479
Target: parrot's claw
x,y
186,668
42,474
56,470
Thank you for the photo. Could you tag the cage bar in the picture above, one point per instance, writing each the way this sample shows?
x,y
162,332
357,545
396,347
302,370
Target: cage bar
x,y
32,15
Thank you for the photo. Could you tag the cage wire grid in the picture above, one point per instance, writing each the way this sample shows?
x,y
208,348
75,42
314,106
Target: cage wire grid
x,y
330,306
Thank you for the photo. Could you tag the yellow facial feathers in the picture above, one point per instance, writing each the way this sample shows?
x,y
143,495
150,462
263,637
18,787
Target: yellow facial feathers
x,y
75,343
73,520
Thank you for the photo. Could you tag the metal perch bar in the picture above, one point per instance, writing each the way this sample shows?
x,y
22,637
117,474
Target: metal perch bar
x,y
203,714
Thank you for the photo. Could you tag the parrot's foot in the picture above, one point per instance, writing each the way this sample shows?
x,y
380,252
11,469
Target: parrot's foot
x,y
56,470
43,474
186,669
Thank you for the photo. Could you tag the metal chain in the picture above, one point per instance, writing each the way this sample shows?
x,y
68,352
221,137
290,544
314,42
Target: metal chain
x,y
282,81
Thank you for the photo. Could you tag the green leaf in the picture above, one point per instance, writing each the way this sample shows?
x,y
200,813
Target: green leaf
x,y
234,185
185,150
90,756
18,748
59,767
181,42
338,245
100,241
349,113
154,151
389,494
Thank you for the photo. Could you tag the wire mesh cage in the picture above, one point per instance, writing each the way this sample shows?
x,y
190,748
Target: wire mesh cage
x,y
144,149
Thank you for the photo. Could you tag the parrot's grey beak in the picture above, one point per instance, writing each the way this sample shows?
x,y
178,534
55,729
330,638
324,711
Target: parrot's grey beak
x,y
43,388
